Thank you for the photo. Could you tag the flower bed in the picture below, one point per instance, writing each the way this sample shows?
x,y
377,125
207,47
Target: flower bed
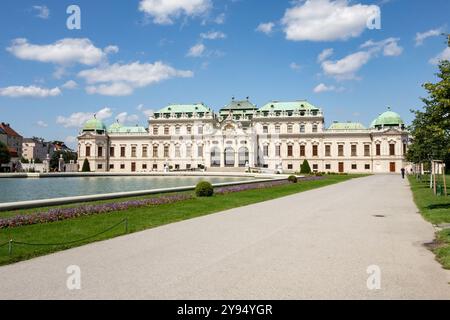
x,y
60,214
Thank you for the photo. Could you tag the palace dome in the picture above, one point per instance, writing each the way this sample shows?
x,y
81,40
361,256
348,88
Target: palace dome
x,y
388,119
94,125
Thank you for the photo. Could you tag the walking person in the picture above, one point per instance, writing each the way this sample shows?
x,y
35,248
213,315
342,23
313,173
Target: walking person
x,y
403,173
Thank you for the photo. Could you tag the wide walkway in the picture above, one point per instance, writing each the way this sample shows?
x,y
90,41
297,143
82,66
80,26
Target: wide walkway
x,y
316,244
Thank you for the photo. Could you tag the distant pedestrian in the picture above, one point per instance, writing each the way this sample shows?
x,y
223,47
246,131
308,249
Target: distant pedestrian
x,y
403,173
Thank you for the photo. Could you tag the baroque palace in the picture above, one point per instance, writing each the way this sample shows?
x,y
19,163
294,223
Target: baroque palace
x,y
277,137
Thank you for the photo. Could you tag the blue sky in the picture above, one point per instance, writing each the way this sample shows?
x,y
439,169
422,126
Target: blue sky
x,y
134,56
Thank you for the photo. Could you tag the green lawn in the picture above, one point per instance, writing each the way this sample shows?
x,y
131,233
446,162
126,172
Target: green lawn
x,y
435,209
138,219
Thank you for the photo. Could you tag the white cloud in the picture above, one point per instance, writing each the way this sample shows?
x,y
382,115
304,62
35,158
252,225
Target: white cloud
x,y
346,67
122,79
213,35
125,118
146,112
295,66
196,51
111,49
324,88
220,19
78,119
63,52
30,91
42,124
165,11
326,20
42,12
325,54
115,89
266,28
422,36
444,55
70,85
389,47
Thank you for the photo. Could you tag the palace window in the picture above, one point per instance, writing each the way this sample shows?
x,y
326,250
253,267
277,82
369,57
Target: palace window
x,y
341,150
290,151
277,151
378,151
155,131
144,166
166,151
144,151
354,167
177,152
99,166
315,151
100,152
290,167
88,151
327,151
189,130
188,151
392,149
354,152
314,128
122,152
367,150
200,130
266,151
315,167
122,166
111,167
133,152
277,128
155,151
289,128
328,166
200,151
367,166
265,129
111,152
155,167
405,148
302,128
302,151
177,130
166,131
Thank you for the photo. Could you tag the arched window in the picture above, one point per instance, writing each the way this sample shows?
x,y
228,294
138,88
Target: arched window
x,y
215,157
229,157
243,156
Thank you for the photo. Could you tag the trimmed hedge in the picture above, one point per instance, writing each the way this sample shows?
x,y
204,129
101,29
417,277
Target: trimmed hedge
x,y
204,189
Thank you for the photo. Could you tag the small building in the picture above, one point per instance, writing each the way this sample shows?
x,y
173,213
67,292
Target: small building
x,y
36,149
14,143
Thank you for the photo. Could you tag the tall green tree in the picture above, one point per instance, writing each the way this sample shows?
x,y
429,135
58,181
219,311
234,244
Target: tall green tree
x,y
5,156
305,168
86,166
430,129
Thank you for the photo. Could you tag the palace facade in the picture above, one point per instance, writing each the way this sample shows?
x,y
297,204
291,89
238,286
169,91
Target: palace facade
x,y
277,137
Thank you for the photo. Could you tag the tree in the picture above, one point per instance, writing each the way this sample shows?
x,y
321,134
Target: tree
x,y
86,166
430,129
5,156
305,168
67,156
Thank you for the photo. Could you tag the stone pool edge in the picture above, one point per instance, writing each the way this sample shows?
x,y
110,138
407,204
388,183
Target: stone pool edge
x,y
8,206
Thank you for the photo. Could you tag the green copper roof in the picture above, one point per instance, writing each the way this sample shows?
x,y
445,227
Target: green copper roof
x,y
94,125
389,118
185,108
346,126
239,105
288,106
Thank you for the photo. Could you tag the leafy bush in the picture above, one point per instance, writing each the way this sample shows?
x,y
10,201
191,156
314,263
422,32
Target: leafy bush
x,y
204,189
305,168
293,179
